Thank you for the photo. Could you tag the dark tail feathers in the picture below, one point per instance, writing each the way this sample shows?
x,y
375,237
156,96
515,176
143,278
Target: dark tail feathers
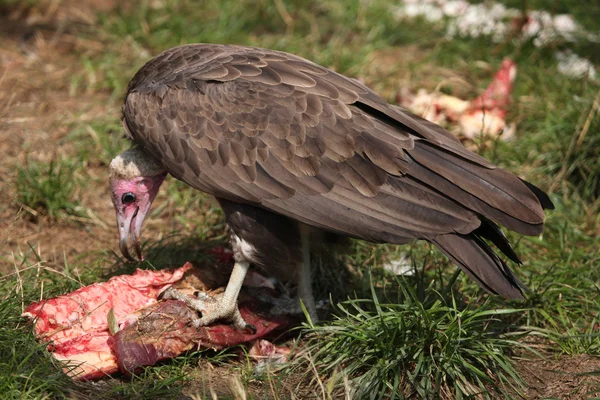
x,y
478,260
541,195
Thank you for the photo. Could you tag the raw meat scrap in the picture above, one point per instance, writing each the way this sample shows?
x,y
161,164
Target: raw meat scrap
x,y
266,353
76,325
484,115
164,330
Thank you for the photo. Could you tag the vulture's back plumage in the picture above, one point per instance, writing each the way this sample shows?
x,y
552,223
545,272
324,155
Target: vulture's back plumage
x,y
271,129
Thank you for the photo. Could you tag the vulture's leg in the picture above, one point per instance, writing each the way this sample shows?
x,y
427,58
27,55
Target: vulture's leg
x,y
271,242
305,282
221,307
224,306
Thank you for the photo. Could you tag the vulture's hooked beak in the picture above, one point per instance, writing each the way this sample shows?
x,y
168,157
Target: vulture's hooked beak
x,y
132,199
130,226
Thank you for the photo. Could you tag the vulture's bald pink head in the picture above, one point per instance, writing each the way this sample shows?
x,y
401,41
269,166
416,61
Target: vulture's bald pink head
x,y
134,181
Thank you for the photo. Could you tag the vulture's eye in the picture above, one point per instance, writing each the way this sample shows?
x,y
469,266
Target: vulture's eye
x,y
128,198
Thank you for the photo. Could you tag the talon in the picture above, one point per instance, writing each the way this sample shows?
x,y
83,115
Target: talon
x,y
221,307
216,311
211,308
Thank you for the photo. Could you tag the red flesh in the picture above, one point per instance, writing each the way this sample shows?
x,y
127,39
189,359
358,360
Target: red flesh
x,y
75,325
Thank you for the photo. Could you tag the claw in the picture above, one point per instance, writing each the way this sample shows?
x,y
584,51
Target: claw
x,y
238,322
212,310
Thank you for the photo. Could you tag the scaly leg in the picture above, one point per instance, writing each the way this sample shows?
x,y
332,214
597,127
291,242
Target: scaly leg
x,y
224,306
305,283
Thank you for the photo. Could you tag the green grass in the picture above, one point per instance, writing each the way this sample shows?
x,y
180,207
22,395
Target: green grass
x,y
26,369
97,142
48,189
435,333
412,346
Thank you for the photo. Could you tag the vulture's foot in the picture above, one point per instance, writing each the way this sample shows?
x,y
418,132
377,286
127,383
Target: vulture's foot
x,y
218,309
212,309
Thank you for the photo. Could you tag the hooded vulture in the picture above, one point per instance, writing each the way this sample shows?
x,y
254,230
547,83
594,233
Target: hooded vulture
x,y
291,149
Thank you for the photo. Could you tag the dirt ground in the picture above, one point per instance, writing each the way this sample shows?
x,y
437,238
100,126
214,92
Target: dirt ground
x,y
38,109
36,113
561,378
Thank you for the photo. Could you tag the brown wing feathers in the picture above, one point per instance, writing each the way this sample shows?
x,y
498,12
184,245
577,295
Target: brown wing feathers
x,y
254,125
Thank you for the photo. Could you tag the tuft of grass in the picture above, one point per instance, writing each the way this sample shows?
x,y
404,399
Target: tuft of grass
x,y
571,340
429,348
98,142
26,369
48,189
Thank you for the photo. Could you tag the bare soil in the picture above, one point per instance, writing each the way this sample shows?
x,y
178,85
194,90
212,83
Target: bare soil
x,y
37,110
561,377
